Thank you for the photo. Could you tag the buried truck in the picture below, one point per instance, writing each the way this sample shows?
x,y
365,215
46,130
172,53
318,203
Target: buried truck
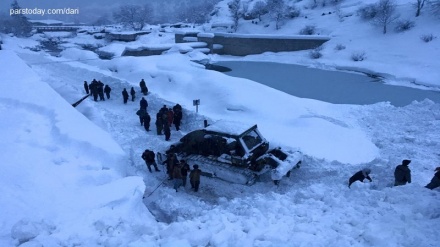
x,y
234,153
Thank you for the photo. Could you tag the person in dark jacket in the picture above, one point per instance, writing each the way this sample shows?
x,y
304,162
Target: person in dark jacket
x,y
185,169
167,131
133,94
435,181
86,87
143,103
94,89
147,120
159,123
125,95
143,87
194,178
107,91
101,90
149,158
141,113
360,176
177,109
402,174
170,162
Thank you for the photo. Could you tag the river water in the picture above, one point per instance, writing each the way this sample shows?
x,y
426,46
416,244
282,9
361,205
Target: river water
x,y
330,86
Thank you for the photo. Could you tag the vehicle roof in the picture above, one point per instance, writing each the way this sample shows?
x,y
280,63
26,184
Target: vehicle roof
x,y
229,128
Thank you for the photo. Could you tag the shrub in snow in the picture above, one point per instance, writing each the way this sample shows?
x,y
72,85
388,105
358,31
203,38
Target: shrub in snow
x,y
404,25
358,56
292,12
308,30
427,37
367,12
339,47
316,53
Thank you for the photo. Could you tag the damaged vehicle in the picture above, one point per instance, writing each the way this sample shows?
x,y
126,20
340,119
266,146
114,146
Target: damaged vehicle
x,y
234,153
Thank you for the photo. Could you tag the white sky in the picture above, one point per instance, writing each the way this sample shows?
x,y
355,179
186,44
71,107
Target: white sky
x,y
74,176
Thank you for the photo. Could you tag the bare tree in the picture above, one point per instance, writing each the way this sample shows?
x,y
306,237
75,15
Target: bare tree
x,y
18,23
133,16
435,7
259,9
386,14
234,7
277,8
419,5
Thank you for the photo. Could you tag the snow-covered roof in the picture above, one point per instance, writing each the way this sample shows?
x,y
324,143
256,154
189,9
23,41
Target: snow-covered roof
x,y
228,127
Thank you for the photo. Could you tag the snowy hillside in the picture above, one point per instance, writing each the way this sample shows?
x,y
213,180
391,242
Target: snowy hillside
x,y
74,176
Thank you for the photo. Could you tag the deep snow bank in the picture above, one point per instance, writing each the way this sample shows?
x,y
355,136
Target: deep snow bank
x,y
62,177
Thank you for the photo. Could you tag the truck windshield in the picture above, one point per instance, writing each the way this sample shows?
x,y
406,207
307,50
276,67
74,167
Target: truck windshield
x,y
252,139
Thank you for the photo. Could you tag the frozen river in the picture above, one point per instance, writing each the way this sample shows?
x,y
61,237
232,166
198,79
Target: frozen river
x,y
330,86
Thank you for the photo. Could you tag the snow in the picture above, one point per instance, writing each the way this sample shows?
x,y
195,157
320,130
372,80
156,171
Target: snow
x,y
73,176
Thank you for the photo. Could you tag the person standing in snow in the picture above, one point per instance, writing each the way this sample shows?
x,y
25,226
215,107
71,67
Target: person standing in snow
x,y
149,158
100,88
177,109
194,178
360,176
141,113
435,181
133,94
170,116
185,169
402,174
107,91
86,87
143,87
94,89
159,123
167,131
177,176
143,103
170,162
125,95
147,120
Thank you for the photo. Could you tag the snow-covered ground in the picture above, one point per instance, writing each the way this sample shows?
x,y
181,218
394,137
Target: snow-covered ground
x,y
74,176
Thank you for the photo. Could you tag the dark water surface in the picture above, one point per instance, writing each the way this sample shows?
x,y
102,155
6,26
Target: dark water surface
x,y
330,86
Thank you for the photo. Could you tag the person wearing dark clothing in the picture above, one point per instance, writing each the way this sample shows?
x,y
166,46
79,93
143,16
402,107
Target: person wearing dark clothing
x,y
170,162
147,120
177,176
185,169
133,94
143,103
360,176
107,91
177,109
402,174
435,181
141,113
90,88
159,123
94,89
86,87
167,131
170,116
143,87
125,95
194,178
100,88
149,158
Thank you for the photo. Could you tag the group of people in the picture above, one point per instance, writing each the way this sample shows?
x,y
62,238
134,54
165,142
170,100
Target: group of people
x,y
402,176
97,89
177,171
125,95
165,117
